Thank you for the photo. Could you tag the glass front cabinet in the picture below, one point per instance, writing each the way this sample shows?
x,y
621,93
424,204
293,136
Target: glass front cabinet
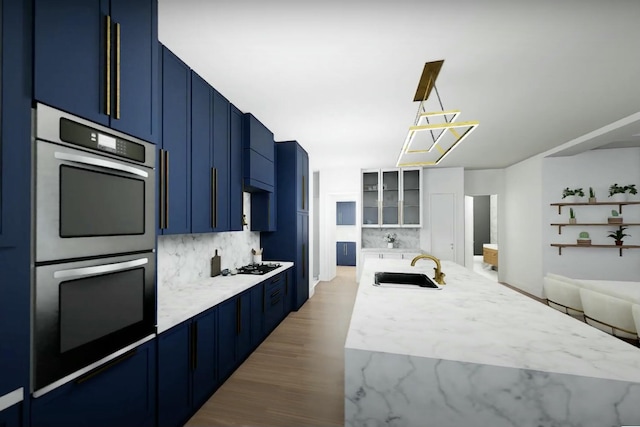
x,y
391,197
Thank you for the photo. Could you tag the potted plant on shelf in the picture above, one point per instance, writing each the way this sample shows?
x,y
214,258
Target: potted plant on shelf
x,y
572,216
570,195
618,193
618,235
390,238
583,238
615,218
592,195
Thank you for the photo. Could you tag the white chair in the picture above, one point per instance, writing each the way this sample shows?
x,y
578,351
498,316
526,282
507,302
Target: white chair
x,y
609,314
635,311
563,296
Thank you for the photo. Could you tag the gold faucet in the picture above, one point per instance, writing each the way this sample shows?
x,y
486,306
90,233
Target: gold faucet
x,y
439,277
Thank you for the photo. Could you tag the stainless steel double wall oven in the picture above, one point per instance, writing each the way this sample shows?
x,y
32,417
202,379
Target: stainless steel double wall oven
x,y
94,250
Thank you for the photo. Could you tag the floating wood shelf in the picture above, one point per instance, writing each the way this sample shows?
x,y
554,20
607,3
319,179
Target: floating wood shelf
x,y
574,245
619,204
560,225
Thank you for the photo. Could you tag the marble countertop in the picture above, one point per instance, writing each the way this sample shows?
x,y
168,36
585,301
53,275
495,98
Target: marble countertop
x,y
490,246
475,320
397,250
179,303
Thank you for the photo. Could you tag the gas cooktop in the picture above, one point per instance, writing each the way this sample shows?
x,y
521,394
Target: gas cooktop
x,y
258,269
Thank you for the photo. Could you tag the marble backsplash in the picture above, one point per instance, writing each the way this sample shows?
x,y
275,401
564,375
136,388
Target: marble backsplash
x,y
406,237
185,258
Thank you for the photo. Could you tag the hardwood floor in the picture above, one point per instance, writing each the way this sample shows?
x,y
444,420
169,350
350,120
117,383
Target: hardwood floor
x,y
296,376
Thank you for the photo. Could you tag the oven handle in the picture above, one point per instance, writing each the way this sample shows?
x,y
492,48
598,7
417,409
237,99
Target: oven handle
x,y
99,269
101,163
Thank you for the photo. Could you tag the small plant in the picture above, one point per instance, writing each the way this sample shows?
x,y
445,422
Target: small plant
x,y
618,235
583,235
575,192
592,194
390,237
571,214
614,213
615,189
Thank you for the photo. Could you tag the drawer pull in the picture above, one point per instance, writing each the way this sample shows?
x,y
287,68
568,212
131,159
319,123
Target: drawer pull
x,y
276,293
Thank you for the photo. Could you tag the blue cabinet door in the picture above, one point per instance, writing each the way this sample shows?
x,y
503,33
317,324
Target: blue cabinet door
x,y
257,315
258,155
235,169
205,374
202,172
227,331
288,291
174,386
345,213
12,416
302,180
350,258
221,152
119,393
302,266
176,143
244,328
70,68
341,249
15,183
136,75
97,59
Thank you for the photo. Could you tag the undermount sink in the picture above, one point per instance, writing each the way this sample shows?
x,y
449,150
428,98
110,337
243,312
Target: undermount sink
x,y
404,279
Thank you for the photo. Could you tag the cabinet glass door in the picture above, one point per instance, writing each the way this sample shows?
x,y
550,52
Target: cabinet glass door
x,y
370,198
411,197
390,197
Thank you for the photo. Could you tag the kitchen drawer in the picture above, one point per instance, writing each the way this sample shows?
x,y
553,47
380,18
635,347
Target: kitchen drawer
x,y
274,304
271,283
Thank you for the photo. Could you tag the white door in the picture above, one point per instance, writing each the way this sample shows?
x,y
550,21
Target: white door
x,y
468,232
443,236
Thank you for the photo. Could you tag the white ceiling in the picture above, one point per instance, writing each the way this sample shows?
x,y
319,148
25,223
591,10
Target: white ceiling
x,y
340,76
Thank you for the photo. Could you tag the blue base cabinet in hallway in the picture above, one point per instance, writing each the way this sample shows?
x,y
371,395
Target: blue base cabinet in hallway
x,y
187,368
346,253
119,393
98,59
290,241
12,416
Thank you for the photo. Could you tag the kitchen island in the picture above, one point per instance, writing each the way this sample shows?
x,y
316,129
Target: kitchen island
x,y
477,353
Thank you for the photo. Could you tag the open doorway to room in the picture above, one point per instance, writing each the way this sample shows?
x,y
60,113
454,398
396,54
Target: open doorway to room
x,y
481,235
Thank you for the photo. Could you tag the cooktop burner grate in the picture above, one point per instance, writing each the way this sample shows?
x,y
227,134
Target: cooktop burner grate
x,y
258,269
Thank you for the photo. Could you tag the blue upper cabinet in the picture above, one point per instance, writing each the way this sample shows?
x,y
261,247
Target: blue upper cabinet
x,y
202,172
221,152
346,213
174,159
98,59
235,169
259,155
209,158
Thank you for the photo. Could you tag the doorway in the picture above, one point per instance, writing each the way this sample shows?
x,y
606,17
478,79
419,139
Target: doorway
x,y
481,235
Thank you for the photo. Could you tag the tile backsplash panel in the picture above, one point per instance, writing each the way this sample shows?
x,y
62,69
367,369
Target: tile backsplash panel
x,y
406,237
186,258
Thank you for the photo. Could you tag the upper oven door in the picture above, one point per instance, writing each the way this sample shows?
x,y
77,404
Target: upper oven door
x,y
90,205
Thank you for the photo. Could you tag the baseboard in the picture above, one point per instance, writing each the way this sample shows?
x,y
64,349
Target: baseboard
x,y
544,301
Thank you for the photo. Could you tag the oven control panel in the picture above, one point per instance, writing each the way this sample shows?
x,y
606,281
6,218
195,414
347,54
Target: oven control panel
x,y
85,136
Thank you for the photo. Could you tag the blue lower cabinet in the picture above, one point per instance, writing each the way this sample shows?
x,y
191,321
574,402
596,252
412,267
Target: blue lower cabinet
x,y
288,291
120,393
257,315
234,333
187,368
12,416
346,253
274,296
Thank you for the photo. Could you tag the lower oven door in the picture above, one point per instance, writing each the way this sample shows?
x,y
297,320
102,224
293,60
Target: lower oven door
x,y
91,205
87,310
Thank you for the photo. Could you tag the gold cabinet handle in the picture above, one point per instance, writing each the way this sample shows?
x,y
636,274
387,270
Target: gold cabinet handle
x,y
117,71
108,62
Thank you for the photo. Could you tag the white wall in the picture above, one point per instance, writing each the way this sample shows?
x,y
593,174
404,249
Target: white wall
x,y
336,185
483,182
520,239
444,180
598,169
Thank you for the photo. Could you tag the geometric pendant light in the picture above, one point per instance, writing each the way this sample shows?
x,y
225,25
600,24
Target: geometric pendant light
x,y
435,134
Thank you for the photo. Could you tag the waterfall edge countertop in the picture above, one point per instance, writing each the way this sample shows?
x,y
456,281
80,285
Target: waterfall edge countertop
x,y
181,302
475,320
